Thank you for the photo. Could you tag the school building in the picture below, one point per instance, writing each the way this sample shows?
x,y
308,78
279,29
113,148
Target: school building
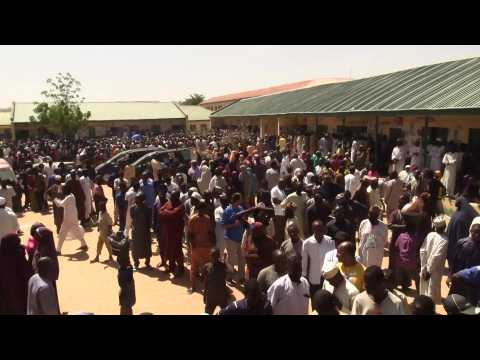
x,y
118,118
219,102
427,102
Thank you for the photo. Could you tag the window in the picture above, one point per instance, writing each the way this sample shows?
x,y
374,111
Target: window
x,y
434,133
349,131
203,127
193,127
321,129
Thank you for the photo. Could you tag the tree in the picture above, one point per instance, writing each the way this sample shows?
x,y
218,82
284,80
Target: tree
x,y
61,111
194,99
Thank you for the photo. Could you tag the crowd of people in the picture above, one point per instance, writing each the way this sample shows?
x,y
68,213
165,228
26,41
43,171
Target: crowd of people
x,y
298,223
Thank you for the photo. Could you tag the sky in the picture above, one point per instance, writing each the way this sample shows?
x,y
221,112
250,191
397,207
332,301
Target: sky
x,y
172,73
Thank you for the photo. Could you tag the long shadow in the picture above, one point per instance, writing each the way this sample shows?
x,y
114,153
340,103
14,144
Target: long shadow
x,y
109,264
184,280
78,256
161,275
155,273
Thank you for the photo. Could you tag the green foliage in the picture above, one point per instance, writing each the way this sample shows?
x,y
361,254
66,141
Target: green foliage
x,y
194,99
61,111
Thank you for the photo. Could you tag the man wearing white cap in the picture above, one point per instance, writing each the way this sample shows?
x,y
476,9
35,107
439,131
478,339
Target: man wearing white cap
x,y
433,254
337,285
8,220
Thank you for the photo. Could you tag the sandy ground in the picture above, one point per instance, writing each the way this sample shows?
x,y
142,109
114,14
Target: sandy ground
x,y
94,288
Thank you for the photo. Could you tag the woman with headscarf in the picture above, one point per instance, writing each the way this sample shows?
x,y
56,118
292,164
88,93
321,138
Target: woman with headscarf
x,y
15,272
459,225
396,223
46,248
32,243
204,180
308,180
249,183
233,164
258,247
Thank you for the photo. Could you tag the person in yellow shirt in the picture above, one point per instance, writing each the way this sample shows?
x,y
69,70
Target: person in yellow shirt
x,y
282,143
348,264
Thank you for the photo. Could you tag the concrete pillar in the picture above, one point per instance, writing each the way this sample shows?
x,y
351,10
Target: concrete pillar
x,y
262,131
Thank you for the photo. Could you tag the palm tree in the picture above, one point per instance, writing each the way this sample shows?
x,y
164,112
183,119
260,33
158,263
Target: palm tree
x,y
194,99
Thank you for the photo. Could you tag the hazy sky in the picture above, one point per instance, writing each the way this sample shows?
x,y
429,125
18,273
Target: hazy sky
x,y
165,73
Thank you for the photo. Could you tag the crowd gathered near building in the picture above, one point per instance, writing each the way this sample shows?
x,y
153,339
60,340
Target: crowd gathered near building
x,y
298,227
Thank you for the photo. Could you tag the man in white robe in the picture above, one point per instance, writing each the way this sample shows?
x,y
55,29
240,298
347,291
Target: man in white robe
x,y
435,153
433,254
352,180
290,294
373,235
284,165
416,154
398,157
336,284
450,173
70,223
87,187
354,149
130,199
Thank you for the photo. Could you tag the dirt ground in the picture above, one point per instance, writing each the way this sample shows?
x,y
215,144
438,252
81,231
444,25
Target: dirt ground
x,y
94,288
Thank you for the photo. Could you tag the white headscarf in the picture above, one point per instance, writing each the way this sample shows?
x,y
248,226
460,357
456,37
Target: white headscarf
x,y
204,180
308,178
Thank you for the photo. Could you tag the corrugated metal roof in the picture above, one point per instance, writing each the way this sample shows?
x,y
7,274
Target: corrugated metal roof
x,y
453,85
5,118
105,111
274,89
195,112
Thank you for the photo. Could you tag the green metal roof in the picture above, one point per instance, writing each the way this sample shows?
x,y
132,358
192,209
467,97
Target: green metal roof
x,y
195,112
5,118
108,111
450,86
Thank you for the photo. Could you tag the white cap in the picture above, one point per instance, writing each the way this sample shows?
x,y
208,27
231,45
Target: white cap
x,y
197,196
329,270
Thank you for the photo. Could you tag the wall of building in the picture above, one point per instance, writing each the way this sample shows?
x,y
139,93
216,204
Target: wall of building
x,y
198,126
101,128
411,126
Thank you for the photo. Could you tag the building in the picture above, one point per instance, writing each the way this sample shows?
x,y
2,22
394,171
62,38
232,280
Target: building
x,y
427,102
118,117
5,124
219,102
198,118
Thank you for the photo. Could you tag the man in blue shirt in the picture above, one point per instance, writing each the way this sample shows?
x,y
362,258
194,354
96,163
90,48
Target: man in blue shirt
x,y
234,229
147,187
468,280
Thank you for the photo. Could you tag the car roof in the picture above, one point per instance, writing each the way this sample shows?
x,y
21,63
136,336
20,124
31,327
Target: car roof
x,y
158,148
166,151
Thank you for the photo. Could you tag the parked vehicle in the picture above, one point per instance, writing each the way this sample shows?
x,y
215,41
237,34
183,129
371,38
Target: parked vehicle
x,y
164,156
6,171
111,166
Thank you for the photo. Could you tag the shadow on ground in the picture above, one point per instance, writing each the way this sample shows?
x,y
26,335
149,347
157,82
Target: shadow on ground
x,y
78,256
